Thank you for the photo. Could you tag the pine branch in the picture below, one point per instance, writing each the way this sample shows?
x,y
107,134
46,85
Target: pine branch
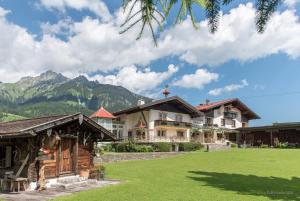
x,y
265,9
213,14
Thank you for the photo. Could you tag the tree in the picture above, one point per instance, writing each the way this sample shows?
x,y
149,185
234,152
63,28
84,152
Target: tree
x,y
152,12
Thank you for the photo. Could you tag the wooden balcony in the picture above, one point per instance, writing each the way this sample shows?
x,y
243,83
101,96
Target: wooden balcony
x,y
165,123
230,115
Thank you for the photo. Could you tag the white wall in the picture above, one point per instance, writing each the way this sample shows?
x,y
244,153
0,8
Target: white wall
x,y
219,115
132,119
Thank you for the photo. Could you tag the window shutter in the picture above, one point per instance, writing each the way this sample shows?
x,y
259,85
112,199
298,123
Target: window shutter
x,y
8,156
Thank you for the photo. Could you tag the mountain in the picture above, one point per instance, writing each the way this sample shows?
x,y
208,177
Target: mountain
x,y
52,93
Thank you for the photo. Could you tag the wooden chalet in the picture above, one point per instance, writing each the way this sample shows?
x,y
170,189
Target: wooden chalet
x,y
34,150
271,135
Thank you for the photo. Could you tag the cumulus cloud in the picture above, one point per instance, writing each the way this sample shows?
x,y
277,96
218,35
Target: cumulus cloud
x,y
94,45
291,3
137,80
96,6
197,80
228,88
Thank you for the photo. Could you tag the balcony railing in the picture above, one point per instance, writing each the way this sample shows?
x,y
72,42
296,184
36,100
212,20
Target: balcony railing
x,y
172,124
230,115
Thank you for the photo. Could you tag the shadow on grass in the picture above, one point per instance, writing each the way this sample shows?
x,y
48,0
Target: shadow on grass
x,y
274,188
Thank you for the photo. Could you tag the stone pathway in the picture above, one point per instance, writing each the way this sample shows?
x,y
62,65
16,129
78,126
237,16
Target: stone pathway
x,y
52,193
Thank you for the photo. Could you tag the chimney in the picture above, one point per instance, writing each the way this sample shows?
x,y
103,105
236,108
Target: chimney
x,y
140,102
206,101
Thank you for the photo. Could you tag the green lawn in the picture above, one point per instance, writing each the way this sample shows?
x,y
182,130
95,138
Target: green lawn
x,y
251,174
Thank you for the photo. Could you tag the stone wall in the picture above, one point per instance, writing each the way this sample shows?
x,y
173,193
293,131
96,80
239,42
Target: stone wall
x,y
217,147
115,157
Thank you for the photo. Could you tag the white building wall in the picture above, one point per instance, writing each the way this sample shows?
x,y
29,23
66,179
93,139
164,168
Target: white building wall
x,y
219,115
132,119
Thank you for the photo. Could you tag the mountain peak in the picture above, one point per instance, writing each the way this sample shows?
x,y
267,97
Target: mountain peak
x,y
49,75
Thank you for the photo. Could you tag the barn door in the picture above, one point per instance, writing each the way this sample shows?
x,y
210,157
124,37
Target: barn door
x,y
66,156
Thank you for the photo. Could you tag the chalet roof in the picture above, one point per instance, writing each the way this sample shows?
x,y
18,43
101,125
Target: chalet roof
x,y
175,100
235,102
274,126
31,127
102,113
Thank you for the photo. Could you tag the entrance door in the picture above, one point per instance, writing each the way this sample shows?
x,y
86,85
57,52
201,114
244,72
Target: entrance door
x,y
66,159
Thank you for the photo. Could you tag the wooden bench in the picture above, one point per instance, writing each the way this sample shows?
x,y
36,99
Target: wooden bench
x,y
17,183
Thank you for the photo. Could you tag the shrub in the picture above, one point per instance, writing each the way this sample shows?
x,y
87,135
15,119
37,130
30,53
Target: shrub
x,y
189,146
282,145
233,145
162,146
121,147
264,146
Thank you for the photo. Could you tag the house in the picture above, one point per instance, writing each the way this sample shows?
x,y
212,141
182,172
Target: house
x,y
33,151
108,121
164,120
271,135
221,119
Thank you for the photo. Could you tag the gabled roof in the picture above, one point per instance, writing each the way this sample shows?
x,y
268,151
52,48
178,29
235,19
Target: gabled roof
x,y
175,100
102,113
235,102
31,127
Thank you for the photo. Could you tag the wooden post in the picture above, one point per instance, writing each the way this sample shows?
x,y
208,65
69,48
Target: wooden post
x,y
271,138
76,155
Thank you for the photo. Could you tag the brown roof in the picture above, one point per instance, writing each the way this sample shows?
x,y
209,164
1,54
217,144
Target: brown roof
x,y
18,125
174,99
235,102
29,127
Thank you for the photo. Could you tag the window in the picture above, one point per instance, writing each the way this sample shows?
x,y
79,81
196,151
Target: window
x,y
180,134
5,156
129,134
233,123
162,116
209,121
161,133
178,118
222,122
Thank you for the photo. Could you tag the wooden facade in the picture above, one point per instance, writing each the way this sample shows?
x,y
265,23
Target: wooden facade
x,y
271,135
49,147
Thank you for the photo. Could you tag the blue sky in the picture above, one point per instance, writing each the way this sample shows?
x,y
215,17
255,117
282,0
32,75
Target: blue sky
x,y
82,38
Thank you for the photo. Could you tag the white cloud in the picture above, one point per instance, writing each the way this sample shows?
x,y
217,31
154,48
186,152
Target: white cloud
x,y
96,6
97,46
291,3
137,80
197,80
228,88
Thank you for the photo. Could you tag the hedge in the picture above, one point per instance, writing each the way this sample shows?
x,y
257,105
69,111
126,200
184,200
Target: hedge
x,y
189,146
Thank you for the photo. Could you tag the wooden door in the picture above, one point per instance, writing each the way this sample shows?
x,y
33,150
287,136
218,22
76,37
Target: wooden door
x,y
66,156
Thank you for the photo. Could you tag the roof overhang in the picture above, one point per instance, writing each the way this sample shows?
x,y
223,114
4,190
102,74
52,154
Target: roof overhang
x,y
174,99
34,130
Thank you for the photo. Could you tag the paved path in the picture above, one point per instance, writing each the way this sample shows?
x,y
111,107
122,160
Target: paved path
x,y
52,193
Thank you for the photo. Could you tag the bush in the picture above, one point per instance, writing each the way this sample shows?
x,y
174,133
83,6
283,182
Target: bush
x,y
282,145
121,147
264,146
233,145
189,146
162,146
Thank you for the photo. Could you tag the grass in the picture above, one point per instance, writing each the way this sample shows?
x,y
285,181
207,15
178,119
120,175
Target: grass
x,y
250,174
10,117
